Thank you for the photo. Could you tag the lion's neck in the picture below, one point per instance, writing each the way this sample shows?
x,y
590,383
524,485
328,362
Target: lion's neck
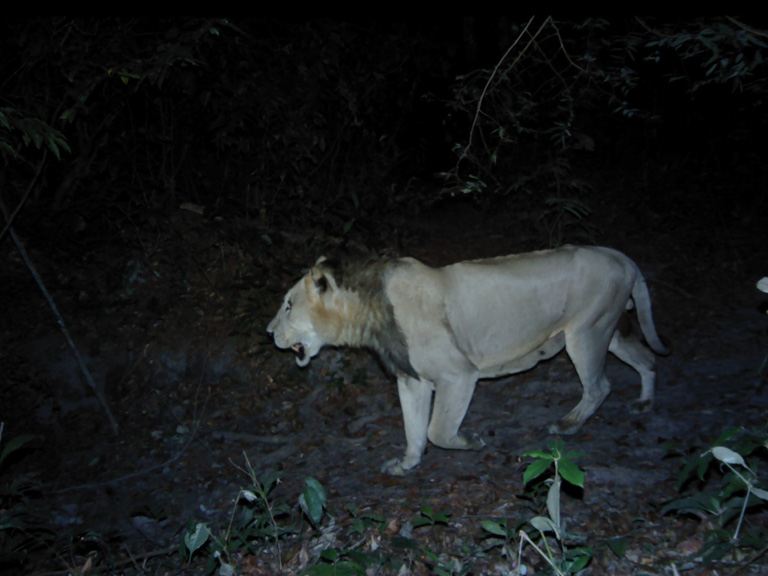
x,y
361,324
372,324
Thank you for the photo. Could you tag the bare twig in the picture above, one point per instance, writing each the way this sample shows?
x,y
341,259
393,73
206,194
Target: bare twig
x,y
747,27
86,373
485,89
9,219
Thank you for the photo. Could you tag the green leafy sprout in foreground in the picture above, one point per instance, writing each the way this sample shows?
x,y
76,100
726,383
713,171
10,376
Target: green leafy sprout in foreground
x,y
570,560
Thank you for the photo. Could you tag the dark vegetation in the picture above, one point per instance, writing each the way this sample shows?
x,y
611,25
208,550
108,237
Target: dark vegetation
x,y
164,180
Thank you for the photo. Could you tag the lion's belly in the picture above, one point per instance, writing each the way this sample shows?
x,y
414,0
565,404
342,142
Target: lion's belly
x,y
513,362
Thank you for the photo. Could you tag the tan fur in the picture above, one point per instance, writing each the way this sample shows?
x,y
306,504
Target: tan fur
x,y
441,329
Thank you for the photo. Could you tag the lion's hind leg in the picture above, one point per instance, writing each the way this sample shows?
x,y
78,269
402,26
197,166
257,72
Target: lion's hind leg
x,y
587,352
626,346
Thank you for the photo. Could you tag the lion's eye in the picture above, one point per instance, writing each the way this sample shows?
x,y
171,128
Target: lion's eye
x,y
288,306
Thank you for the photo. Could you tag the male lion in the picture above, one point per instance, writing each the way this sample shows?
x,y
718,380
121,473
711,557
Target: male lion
x,y
441,329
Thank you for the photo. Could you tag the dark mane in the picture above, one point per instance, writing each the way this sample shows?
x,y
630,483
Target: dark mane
x,y
367,277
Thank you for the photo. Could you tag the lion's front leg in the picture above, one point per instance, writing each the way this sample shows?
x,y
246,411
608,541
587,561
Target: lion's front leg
x,y
415,400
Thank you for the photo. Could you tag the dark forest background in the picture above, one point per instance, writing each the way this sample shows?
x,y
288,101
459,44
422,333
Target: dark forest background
x,y
109,124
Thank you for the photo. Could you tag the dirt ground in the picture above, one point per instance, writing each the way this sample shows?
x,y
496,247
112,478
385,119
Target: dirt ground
x,y
175,335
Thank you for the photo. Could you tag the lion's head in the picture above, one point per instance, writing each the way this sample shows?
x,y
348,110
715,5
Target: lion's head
x,y
305,322
342,303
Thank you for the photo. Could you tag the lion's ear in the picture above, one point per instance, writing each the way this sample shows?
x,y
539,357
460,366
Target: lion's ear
x,y
313,284
320,260
321,282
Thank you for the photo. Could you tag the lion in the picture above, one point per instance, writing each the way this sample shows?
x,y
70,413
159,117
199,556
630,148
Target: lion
x,y
440,330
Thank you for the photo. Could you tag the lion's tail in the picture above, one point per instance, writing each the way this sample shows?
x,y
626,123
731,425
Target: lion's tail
x,y
643,304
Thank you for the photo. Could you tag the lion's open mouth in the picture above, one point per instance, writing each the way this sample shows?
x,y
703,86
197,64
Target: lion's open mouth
x,y
298,349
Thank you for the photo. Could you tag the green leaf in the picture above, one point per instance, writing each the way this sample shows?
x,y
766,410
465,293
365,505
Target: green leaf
x,y
15,444
535,469
194,540
538,454
703,465
728,456
576,559
553,504
618,546
441,517
703,501
8,148
53,147
543,524
248,495
727,435
330,554
494,528
313,500
760,493
269,480
62,142
571,473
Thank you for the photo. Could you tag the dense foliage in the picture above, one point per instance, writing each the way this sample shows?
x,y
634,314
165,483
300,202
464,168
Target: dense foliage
x,y
327,121
283,119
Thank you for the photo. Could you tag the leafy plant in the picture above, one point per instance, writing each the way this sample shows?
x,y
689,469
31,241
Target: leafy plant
x,y
526,124
503,534
444,566
294,123
33,131
564,90
739,490
265,521
429,517
346,561
721,50
363,521
361,554
17,533
14,444
195,538
313,501
571,560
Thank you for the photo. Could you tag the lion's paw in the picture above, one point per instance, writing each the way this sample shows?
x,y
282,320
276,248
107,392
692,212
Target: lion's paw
x,y
393,467
476,443
641,406
564,427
